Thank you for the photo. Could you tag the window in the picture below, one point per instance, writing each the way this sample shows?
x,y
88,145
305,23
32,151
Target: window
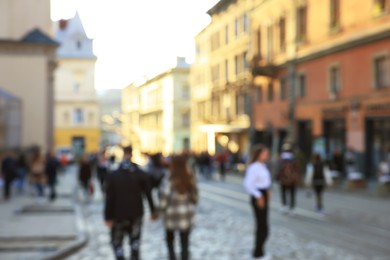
x,y
91,117
334,80
380,6
239,104
76,87
185,119
78,116
245,61
215,73
270,92
259,94
283,88
258,42
78,44
236,65
270,43
301,88
282,34
216,107
236,27
185,93
226,34
227,70
245,23
381,71
334,14
301,24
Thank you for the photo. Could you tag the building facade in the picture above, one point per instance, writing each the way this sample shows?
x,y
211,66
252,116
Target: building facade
x,y
77,124
27,63
321,74
157,112
221,80
110,104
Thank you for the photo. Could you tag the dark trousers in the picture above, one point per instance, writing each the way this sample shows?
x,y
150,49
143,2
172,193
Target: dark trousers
x,y
288,190
119,230
261,217
318,189
53,193
7,188
222,170
184,242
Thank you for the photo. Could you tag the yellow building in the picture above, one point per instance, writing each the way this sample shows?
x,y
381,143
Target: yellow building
x,y
76,102
221,80
27,62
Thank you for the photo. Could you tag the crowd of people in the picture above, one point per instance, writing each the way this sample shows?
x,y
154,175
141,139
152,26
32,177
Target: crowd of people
x,y
173,180
29,171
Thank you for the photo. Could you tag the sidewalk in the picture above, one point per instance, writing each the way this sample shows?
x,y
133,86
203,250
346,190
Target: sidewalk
x,y
40,230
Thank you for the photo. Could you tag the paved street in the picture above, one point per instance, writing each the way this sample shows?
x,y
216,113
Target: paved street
x,y
353,228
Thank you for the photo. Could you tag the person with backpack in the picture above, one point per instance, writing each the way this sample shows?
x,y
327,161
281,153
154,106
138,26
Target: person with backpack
x,y
123,210
178,199
288,177
318,176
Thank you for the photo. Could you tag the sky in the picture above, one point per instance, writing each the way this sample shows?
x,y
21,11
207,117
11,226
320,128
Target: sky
x,y
139,38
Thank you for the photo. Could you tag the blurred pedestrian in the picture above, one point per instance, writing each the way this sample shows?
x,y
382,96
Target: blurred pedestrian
x,y
51,169
288,177
22,169
156,168
9,172
102,170
178,198
124,209
222,159
257,183
37,174
318,176
85,176
206,164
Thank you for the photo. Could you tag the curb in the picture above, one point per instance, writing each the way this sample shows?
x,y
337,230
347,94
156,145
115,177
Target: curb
x,y
80,242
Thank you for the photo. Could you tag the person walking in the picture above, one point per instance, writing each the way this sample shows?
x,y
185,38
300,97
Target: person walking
x,y
178,198
21,171
51,169
222,159
38,176
289,178
85,176
123,210
257,183
9,172
318,176
156,169
102,170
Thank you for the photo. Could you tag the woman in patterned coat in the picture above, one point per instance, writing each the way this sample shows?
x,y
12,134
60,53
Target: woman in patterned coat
x,y
178,198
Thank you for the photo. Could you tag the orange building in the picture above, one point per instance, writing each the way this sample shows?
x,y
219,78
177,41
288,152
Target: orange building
x,y
322,76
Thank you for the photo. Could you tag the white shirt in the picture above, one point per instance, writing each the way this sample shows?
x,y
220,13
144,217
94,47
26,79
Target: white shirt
x,y
257,177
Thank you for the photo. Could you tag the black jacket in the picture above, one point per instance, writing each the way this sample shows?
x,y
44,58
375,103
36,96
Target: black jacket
x,y
125,188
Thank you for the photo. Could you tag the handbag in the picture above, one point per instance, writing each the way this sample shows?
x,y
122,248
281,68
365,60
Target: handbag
x,y
91,188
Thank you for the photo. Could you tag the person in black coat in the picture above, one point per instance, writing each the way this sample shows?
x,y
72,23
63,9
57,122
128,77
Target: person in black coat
x,y
51,167
124,207
9,172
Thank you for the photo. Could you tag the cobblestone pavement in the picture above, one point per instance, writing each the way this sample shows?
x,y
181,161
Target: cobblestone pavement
x,y
221,232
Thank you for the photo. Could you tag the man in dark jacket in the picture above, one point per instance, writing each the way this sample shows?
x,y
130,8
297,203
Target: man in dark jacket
x,y
9,172
51,167
123,206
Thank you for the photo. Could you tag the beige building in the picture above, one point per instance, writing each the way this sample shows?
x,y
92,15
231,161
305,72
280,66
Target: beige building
x,y
27,62
221,79
77,124
157,112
